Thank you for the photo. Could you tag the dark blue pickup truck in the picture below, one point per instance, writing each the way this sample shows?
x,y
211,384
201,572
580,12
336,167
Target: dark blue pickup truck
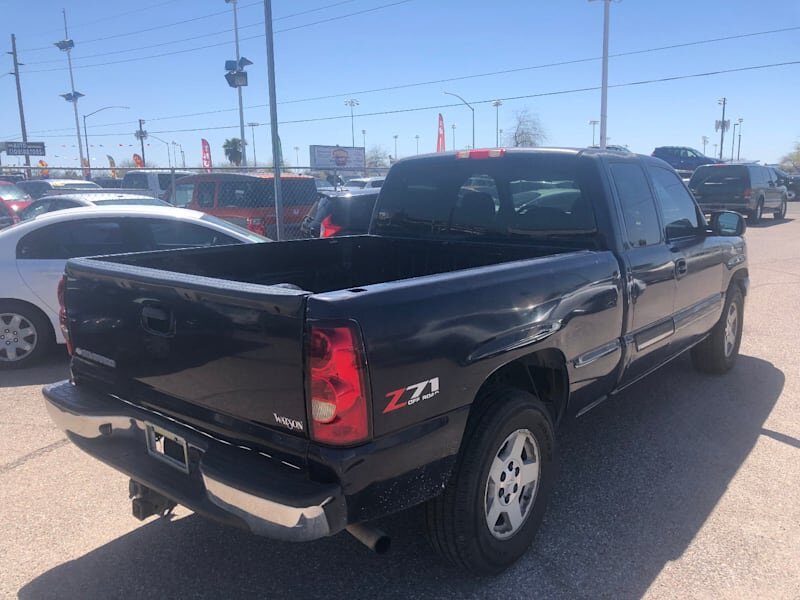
x,y
301,388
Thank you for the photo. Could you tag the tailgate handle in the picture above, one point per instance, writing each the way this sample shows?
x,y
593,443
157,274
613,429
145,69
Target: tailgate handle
x,y
158,321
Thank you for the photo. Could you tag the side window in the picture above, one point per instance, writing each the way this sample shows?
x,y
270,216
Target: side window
x,y
638,205
166,234
71,239
136,181
165,180
205,194
183,194
677,207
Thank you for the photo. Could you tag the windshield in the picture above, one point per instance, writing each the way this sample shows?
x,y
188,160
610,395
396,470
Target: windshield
x,y
235,228
356,183
132,201
12,192
78,185
516,196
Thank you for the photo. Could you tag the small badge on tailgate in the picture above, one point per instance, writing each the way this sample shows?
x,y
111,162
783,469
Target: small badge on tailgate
x,y
290,424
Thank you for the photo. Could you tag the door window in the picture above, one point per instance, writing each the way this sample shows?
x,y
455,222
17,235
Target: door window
x,y
136,181
165,234
183,194
638,206
205,194
73,238
678,210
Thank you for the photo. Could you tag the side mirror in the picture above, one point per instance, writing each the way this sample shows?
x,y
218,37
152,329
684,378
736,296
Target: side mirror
x,y
727,223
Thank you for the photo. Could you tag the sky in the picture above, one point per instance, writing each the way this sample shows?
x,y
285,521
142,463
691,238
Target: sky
x,y
397,58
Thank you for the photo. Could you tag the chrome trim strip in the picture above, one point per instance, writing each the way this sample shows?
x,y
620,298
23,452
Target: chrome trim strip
x,y
654,340
596,354
697,311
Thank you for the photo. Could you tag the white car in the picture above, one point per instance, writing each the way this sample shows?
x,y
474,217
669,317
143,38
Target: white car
x,y
365,182
33,254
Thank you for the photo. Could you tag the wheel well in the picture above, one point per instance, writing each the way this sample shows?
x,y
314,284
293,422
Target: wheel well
x,y
542,373
739,278
35,309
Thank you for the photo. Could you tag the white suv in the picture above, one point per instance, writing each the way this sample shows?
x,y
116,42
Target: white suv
x,y
157,182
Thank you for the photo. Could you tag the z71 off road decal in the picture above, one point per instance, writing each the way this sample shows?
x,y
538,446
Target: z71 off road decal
x,y
400,398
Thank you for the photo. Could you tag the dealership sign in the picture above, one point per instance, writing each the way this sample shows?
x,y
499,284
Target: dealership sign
x,y
338,158
22,148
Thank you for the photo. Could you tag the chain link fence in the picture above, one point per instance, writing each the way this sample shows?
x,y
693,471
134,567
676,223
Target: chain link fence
x,y
243,196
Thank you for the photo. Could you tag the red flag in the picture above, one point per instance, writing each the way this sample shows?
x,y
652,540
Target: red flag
x,y
113,166
137,160
44,171
440,137
206,155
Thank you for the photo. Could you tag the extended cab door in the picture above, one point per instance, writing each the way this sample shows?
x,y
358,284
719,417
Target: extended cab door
x,y
649,272
697,256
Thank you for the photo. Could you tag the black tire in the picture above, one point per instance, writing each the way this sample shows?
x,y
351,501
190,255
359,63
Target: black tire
x,y
755,216
41,341
780,214
457,520
712,354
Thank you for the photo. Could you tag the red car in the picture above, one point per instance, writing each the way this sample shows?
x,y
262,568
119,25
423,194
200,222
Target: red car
x,y
13,197
7,216
248,200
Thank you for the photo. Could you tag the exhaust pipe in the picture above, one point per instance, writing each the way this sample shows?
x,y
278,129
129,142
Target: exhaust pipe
x,y
372,538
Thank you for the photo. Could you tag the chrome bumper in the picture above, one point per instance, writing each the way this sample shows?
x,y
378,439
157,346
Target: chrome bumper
x,y
235,485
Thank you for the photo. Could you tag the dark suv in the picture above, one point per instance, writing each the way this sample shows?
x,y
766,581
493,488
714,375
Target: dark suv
x,y
682,158
748,189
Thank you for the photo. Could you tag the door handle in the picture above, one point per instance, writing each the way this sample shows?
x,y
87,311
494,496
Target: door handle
x,y
681,268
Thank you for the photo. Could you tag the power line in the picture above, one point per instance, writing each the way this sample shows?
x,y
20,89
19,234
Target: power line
x,y
206,46
484,101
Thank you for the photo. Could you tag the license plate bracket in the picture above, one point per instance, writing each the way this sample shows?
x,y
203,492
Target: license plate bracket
x,y
167,447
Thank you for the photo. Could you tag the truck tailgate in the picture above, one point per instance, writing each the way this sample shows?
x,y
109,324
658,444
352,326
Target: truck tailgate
x,y
233,349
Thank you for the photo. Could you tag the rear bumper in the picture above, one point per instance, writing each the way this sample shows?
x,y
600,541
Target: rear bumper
x,y
231,484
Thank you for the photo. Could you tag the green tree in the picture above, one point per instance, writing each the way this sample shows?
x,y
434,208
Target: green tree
x,y
791,162
233,151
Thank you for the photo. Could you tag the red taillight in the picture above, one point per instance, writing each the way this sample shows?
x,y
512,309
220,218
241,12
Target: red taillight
x,y
482,153
338,390
62,313
327,228
257,225
748,193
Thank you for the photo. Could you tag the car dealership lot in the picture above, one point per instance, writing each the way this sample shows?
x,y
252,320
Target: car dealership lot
x,y
684,486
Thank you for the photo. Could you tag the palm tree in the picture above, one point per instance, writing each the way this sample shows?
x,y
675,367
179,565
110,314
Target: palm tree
x,y
233,150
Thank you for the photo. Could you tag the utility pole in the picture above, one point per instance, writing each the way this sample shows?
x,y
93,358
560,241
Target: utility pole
x,y
364,136
141,135
723,101
19,102
239,88
273,117
604,86
67,45
416,137
253,125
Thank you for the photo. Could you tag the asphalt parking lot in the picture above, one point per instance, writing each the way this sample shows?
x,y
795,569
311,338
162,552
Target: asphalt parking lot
x,y
684,486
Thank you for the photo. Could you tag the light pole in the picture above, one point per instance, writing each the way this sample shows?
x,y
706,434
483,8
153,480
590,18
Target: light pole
x,y
604,82
352,102
183,156
593,123
473,115
722,101
240,64
395,147
739,149
705,143
67,45
733,140
169,158
86,133
497,104
416,137
252,125
174,152
364,135
297,156
715,149
454,136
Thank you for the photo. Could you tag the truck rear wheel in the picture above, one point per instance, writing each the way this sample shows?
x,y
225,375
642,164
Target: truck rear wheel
x,y
493,505
717,353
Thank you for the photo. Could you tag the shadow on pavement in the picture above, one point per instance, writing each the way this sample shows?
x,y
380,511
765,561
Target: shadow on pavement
x,y
54,367
639,477
768,221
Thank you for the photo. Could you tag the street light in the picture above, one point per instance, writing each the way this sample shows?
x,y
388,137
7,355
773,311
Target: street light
x,y
705,142
352,102
237,77
416,137
721,124
733,139
297,156
604,78
395,147
364,134
497,104
593,123
739,149
86,133
454,136
473,115
169,159
252,125
183,156
66,45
